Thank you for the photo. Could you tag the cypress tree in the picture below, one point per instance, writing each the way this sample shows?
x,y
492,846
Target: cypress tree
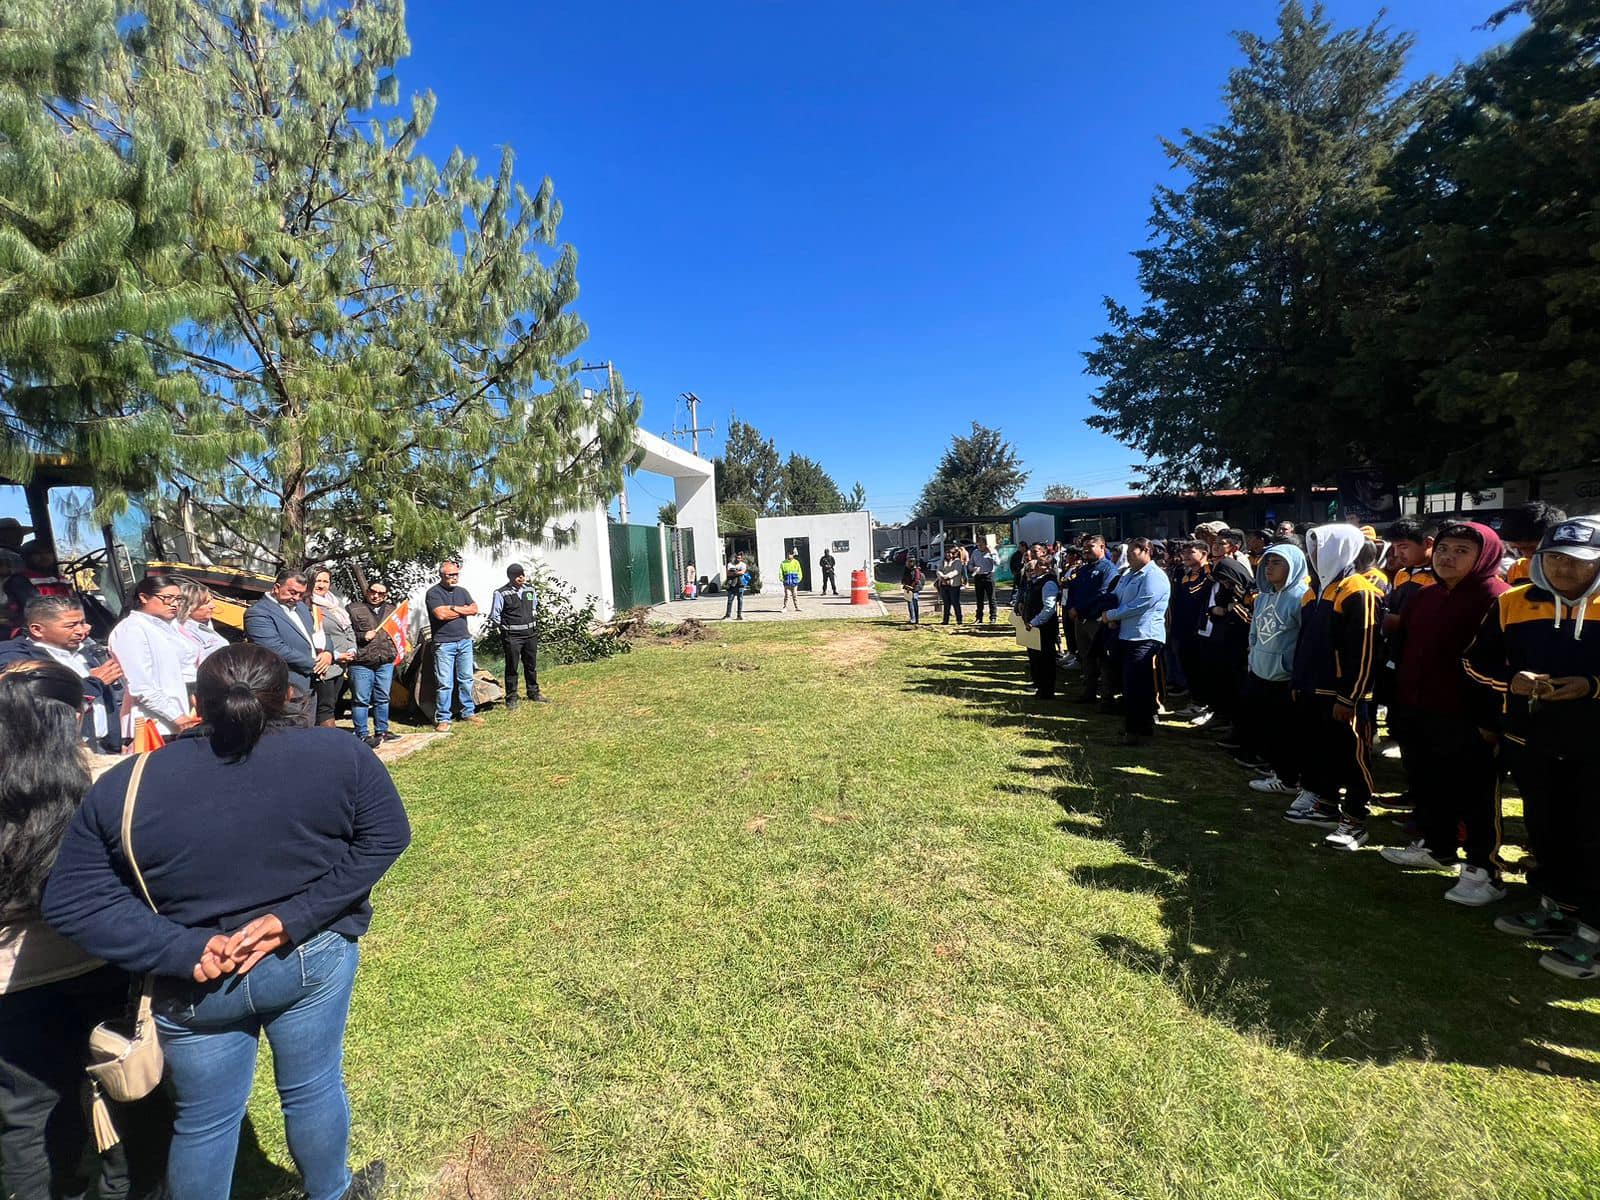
x,y
1226,372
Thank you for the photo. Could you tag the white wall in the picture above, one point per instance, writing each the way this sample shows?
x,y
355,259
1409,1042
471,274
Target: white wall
x,y
584,565
823,529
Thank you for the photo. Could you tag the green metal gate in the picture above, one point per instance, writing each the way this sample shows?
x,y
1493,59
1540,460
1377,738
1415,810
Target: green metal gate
x,y
636,566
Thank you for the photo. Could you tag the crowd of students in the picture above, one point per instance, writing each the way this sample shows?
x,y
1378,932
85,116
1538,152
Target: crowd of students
x,y
1476,652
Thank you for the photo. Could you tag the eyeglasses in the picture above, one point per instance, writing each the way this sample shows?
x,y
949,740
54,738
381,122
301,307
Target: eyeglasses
x,y
379,592
444,576
165,599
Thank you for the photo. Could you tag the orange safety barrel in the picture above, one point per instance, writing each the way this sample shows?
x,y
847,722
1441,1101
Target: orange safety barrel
x,y
860,589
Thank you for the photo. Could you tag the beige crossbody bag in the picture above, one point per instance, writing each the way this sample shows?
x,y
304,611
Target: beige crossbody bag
x,y
124,1066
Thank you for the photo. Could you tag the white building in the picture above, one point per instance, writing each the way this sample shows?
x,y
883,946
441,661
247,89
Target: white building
x,y
847,535
598,553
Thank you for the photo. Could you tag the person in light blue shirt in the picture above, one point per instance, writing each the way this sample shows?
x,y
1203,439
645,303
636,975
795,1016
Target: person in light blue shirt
x,y
1140,619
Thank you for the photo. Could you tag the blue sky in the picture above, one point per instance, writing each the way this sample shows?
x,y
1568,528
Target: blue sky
x,y
858,225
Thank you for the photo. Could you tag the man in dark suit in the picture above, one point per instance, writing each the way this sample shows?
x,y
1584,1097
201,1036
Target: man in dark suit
x,y
281,621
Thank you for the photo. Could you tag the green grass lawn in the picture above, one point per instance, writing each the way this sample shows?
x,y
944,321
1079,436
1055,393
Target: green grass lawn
x,y
831,910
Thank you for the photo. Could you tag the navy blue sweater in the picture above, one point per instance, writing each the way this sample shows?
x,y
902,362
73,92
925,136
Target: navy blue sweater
x,y
303,828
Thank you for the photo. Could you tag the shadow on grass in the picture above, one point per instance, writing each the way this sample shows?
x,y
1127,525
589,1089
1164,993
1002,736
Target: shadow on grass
x,y
1323,952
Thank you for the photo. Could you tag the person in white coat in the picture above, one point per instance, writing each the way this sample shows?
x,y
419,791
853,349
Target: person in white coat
x,y
193,625
152,652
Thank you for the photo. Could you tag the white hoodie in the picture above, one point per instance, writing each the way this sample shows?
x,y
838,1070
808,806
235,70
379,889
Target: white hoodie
x,y
1332,551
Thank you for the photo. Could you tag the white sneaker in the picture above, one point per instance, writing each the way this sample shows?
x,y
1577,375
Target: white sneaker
x,y
1414,855
1304,802
1273,786
1205,718
1347,836
1476,888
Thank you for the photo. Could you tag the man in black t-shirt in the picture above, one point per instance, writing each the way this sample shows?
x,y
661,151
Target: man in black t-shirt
x,y
449,605
826,562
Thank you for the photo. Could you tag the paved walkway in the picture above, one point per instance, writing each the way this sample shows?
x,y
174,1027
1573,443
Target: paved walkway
x,y
765,606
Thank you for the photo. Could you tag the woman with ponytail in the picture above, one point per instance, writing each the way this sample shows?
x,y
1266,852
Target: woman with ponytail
x,y
260,843
52,994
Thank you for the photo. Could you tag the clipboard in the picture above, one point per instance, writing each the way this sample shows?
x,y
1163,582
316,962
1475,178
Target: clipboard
x,y
1027,638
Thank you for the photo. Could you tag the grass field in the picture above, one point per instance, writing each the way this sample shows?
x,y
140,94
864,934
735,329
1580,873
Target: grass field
x,y
831,910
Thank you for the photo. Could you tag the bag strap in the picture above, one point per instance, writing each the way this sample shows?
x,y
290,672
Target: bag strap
x,y
128,801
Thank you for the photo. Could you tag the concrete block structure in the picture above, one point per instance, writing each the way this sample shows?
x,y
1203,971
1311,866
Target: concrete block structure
x,y
847,535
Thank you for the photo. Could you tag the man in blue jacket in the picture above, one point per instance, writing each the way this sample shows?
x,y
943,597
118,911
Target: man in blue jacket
x,y
1089,583
281,621
1140,620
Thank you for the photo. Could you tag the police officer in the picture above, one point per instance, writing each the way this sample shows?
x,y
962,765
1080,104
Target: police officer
x,y
515,608
827,564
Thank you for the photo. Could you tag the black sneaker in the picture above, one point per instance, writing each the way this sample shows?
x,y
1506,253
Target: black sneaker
x,y
367,1183
374,741
1547,923
389,735
539,698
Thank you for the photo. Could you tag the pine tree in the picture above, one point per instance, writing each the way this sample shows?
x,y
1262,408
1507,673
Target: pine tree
x,y
1488,335
92,211
382,366
1227,371
808,489
856,500
1063,491
749,469
979,475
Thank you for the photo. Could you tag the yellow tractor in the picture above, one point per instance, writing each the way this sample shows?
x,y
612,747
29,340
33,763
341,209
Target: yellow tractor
x,y
107,560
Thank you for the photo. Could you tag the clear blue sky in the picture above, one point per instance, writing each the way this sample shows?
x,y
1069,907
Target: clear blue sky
x,y
859,226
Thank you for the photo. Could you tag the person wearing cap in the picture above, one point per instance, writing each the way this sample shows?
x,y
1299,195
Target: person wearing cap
x,y
40,576
515,608
1537,654
1435,716
11,531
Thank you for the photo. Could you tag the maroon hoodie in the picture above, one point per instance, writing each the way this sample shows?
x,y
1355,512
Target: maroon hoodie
x,y
1439,623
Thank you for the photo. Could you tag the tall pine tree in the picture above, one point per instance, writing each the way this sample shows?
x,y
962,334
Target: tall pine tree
x,y
1226,371
979,475
381,361
1486,339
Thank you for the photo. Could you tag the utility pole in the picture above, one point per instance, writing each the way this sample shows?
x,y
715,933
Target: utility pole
x,y
611,386
695,428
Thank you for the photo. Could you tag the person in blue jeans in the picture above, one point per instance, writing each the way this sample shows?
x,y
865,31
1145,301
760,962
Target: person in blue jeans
x,y
372,672
449,606
257,934
737,576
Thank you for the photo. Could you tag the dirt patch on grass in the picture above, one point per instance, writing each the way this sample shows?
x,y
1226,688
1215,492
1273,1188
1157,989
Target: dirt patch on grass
x,y
515,1168
758,823
832,818
852,648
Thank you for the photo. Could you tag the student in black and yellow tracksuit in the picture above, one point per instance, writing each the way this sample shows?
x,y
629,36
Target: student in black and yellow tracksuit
x,y
1411,554
1522,531
1333,671
1538,653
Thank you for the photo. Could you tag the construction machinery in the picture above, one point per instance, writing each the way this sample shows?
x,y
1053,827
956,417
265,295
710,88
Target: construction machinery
x,y
108,559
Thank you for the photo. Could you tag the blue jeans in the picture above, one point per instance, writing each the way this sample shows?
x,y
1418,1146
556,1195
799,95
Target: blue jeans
x,y
914,607
734,594
301,998
452,671
369,687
